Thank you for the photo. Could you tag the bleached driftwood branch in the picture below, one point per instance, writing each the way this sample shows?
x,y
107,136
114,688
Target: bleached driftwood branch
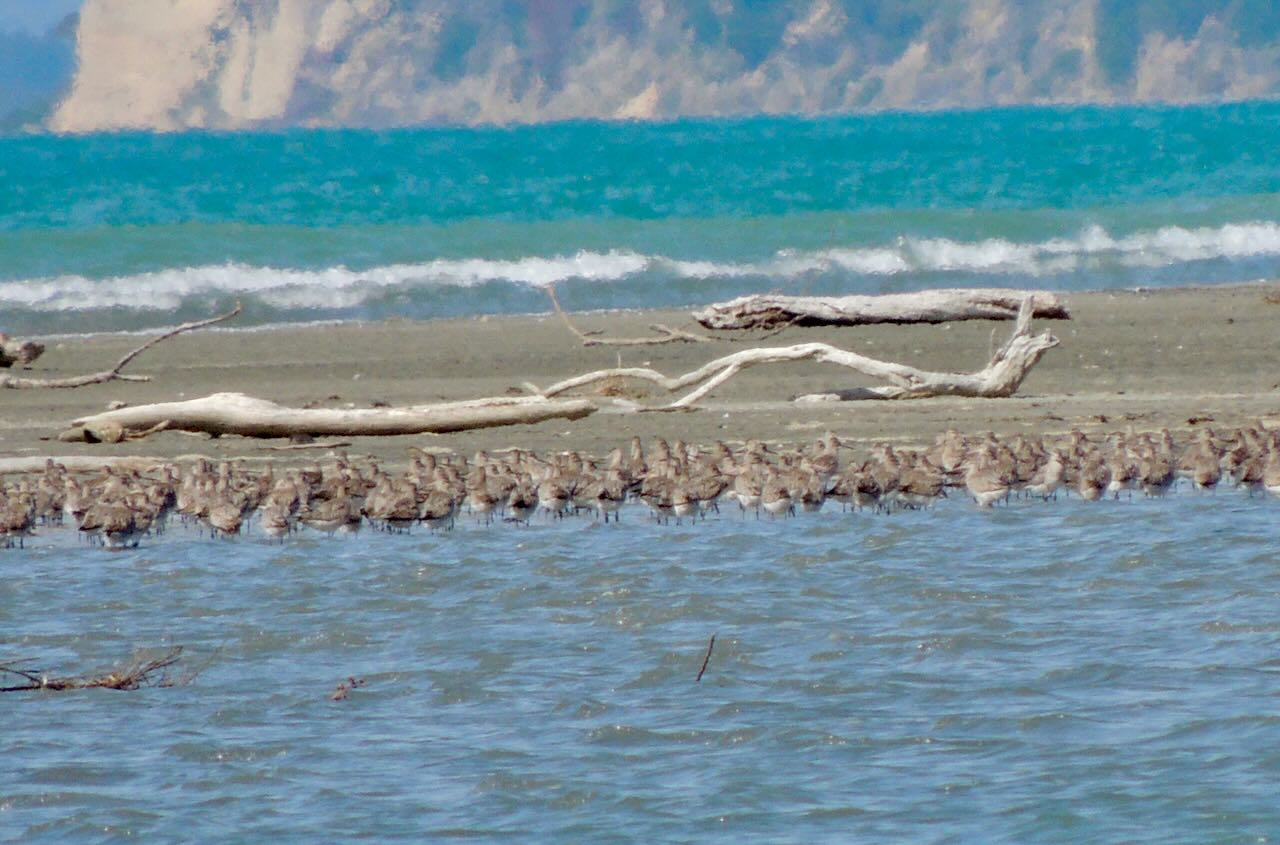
x,y
114,373
247,416
666,334
933,306
1001,377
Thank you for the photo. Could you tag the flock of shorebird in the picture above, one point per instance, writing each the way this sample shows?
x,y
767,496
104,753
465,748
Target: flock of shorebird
x,y
675,481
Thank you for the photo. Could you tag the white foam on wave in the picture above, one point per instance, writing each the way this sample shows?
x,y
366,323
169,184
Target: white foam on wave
x,y
993,255
1093,246
871,262
1176,244
339,287
332,287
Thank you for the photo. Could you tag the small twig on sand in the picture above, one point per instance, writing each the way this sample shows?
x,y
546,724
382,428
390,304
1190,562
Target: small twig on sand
x,y
325,444
666,334
711,645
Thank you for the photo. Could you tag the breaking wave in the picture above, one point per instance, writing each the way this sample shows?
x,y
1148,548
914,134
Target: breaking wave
x,y
1091,258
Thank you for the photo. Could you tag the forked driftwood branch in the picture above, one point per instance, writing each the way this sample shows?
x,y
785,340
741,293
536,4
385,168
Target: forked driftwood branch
x,y
944,305
113,374
666,334
247,416
140,673
1001,377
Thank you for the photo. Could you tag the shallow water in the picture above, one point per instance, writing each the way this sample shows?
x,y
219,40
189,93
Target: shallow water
x,y
1042,672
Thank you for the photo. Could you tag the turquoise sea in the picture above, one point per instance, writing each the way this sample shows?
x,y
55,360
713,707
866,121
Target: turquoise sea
x,y
124,230
1044,672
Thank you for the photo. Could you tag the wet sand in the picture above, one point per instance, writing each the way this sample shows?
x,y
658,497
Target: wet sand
x,y
1174,358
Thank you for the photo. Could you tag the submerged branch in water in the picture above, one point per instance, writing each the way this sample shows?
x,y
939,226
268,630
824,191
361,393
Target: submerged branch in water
x,y
342,690
711,645
138,674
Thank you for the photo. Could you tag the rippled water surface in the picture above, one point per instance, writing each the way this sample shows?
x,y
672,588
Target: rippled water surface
x,y
1059,672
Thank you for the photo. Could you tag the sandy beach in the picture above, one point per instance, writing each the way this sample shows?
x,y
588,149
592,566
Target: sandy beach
x,y
1149,359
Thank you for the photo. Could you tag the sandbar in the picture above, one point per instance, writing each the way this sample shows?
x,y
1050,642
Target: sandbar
x,y
1147,359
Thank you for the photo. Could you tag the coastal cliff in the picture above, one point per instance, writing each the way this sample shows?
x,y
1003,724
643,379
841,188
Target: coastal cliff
x,y
236,64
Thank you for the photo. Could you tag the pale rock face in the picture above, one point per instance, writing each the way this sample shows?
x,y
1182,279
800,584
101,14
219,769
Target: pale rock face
x,y
643,106
262,63
142,66
236,64
1178,70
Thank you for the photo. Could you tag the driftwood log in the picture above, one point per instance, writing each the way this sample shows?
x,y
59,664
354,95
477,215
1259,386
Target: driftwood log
x,y
247,416
17,351
767,311
113,374
1003,375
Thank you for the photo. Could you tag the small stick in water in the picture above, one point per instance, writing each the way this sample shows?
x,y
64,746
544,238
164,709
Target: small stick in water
x,y
711,645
